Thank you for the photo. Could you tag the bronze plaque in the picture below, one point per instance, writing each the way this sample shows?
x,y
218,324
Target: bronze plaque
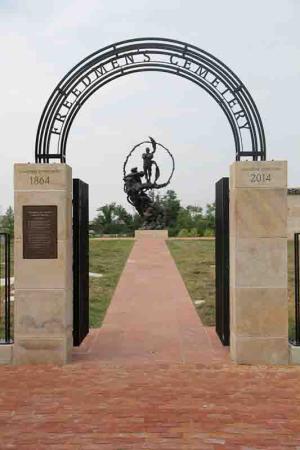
x,y
40,232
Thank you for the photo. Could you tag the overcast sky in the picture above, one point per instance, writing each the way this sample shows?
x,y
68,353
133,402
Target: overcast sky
x,y
41,40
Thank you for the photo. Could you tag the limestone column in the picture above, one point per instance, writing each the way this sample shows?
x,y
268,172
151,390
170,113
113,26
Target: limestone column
x,y
43,263
258,262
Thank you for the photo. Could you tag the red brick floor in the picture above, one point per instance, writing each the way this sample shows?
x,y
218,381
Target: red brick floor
x,y
125,390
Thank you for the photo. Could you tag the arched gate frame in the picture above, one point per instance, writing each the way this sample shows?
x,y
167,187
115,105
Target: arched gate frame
x,y
148,55
257,223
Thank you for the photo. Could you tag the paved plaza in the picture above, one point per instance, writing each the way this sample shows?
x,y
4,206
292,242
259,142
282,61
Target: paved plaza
x,y
153,377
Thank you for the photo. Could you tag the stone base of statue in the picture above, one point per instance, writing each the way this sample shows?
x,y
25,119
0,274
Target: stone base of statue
x,y
151,234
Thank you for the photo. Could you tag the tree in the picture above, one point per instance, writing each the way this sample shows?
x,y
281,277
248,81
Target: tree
x,y
7,221
171,205
184,219
210,215
112,219
122,215
195,210
104,219
115,219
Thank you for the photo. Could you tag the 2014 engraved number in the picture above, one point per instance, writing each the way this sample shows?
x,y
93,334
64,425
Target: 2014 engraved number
x,y
39,180
260,177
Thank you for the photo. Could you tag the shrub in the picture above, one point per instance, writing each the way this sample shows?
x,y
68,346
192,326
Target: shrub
x,y
193,232
183,233
208,232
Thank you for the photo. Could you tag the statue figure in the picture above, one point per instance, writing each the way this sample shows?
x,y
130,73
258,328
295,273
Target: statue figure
x,y
135,187
148,163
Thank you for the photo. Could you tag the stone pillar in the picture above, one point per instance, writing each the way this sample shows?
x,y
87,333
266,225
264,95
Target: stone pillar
x,y
258,262
43,263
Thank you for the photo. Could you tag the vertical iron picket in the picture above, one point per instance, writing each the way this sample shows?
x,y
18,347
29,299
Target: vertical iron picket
x,y
5,240
222,260
297,289
80,261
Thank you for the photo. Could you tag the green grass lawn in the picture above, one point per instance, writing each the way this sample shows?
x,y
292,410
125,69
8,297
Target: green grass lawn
x,y
195,261
107,258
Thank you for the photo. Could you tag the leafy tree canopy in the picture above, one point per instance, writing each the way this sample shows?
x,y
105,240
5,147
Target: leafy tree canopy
x,y
194,220
7,221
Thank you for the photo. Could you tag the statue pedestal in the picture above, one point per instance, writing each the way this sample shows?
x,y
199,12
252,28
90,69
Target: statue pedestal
x,y
151,234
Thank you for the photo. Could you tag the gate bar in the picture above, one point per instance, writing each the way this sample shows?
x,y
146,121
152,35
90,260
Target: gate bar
x,y
222,261
7,335
297,289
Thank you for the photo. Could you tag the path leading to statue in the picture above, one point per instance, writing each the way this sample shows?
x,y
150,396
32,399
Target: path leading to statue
x,y
151,317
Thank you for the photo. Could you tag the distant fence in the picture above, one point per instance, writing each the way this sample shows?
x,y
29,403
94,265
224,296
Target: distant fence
x,y
5,291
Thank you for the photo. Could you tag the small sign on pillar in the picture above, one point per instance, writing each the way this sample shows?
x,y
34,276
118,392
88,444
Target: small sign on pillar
x,y
40,232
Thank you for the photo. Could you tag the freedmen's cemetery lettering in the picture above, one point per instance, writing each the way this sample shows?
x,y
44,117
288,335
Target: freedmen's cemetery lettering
x,y
176,62
40,232
144,55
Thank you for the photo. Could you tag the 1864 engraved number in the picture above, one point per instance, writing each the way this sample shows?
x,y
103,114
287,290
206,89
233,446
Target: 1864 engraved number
x,y
260,177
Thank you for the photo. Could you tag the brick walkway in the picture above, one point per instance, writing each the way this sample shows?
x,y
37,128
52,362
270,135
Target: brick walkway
x,y
152,378
151,317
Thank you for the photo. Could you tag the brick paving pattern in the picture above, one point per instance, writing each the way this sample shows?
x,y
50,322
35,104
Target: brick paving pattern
x,y
126,390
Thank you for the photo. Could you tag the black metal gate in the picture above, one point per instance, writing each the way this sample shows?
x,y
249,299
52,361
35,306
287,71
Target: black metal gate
x,y
5,307
222,260
80,261
296,340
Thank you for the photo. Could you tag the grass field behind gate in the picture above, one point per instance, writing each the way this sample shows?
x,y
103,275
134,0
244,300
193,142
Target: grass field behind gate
x,y
195,260
196,263
108,259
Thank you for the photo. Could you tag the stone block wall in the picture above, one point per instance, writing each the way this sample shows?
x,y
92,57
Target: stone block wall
x,y
43,287
258,262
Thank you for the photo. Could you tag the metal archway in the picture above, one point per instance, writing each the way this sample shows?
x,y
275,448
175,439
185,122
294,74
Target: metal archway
x,y
142,55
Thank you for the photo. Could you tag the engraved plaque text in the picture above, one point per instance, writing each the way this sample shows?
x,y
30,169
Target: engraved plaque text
x,y
40,232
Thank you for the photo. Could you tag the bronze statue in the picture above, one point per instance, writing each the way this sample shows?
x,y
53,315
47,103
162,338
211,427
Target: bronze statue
x,y
135,190
148,162
135,187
